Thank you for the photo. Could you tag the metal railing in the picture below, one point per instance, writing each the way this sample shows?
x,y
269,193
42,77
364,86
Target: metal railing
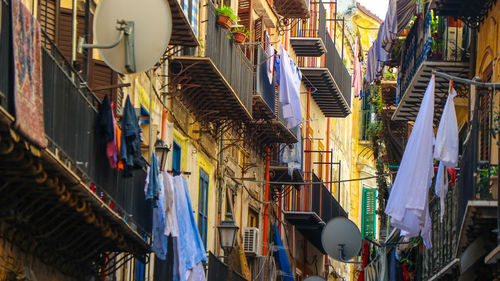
x,y
229,58
69,117
323,202
315,26
217,270
337,68
366,115
441,40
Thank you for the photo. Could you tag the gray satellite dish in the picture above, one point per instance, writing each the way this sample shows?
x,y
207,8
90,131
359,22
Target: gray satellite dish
x,y
314,278
131,35
341,239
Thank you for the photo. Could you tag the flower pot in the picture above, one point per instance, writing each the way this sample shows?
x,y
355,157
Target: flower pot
x,y
239,37
224,21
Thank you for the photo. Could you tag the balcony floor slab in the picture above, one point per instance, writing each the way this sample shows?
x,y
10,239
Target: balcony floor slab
x,y
409,104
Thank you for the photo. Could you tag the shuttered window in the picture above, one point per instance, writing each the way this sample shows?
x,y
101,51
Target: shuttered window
x,y
368,215
47,16
203,206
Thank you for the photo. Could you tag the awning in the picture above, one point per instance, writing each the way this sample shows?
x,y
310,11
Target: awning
x,y
308,224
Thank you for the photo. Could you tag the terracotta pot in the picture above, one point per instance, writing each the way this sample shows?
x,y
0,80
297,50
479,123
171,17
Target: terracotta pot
x,y
239,37
224,21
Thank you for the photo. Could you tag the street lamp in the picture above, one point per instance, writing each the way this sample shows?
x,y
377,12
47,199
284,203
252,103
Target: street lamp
x,y
227,233
161,151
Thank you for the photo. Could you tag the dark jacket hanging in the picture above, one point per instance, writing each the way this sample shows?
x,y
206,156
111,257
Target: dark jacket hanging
x,y
130,152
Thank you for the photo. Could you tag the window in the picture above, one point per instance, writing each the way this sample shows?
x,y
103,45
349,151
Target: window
x,y
368,215
176,158
253,218
203,206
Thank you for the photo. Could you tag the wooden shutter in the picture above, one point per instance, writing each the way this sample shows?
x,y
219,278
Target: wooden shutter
x,y
259,32
65,32
368,215
244,13
47,16
101,75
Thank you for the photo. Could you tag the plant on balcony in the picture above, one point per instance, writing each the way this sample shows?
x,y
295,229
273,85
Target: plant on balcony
x,y
240,34
226,16
484,185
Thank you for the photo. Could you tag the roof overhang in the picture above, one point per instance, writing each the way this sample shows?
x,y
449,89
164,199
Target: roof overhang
x,y
326,92
292,8
409,104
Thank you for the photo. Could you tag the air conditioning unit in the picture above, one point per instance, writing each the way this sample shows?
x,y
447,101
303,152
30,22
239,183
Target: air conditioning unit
x,y
251,240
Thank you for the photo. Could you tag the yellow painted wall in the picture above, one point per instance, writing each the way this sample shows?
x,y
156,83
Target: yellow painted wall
x,y
488,44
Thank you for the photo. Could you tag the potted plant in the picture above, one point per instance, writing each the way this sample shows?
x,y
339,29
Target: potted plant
x,y
240,34
226,16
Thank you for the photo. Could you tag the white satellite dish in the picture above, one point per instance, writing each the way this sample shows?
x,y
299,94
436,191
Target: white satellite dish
x,y
341,239
314,278
146,26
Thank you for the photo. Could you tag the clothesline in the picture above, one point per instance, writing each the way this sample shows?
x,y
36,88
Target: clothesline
x,y
311,183
465,81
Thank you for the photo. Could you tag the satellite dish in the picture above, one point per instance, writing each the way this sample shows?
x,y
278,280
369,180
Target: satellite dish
x,y
314,278
147,25
341,239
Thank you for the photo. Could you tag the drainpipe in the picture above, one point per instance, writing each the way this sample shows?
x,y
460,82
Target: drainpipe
x,y
266,199
308,147
86,52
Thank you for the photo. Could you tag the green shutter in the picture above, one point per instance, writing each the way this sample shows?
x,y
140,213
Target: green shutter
x,y
368,215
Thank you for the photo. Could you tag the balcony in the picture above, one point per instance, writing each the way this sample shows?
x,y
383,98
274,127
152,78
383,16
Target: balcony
x,y
217,270
471,12
266,127
47,206
470,216
330,82
279,171
311,218
442,48
292,8
182,32
310,42
218,85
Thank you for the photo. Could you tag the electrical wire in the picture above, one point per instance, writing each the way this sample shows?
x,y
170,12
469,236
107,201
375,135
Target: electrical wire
x,y
313,183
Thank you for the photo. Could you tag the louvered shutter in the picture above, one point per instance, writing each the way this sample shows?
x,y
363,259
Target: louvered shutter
x,y
259,31
368,215
47,16
65,32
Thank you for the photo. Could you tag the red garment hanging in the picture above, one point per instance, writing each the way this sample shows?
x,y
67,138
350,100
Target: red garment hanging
x,y
366,254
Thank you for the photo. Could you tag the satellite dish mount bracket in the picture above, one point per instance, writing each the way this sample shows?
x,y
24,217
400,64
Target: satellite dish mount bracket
x,y
341,255
126,29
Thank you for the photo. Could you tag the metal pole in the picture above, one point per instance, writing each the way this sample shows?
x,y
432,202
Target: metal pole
x,y
343,27
340,172
335,26
151,142
87,39
74,34
331,171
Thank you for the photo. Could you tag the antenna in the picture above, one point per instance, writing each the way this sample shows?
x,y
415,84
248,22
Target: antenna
x,y
341,239
131,35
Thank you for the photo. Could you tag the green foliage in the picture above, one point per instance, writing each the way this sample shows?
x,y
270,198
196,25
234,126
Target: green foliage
x,y
483,186
241,29
228,12
374,129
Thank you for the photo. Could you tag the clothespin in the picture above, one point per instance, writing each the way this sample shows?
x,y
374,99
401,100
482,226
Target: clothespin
x,y
451,86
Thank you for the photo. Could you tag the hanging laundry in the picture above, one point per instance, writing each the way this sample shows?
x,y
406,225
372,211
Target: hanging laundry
x,y
190,247
408,200
446,149
390,28
292,156
171,224
277,67
366,253
27,74
104,121
270,57
112,146
118,140
356,78
281,257
130,152
154,183
289,92
395,271
160,240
